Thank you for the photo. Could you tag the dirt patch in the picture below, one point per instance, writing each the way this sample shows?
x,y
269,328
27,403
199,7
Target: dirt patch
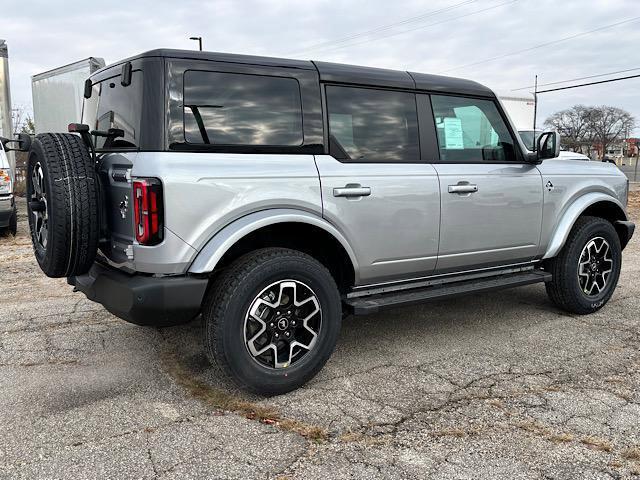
x,y
223,400
634,204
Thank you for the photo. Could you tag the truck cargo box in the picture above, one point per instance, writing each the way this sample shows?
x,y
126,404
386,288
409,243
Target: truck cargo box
x,y
57,94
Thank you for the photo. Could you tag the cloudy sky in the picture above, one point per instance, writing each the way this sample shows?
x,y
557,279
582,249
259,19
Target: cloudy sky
x,y
501,43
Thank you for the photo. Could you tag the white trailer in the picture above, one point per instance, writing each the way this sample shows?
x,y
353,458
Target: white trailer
x,y
520,109
58,94
6,128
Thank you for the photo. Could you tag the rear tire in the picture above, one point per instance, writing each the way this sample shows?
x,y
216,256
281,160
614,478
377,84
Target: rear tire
x,y
283,288
580,283
62,204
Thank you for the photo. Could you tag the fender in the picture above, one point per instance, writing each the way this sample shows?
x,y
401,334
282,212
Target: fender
x,y
224,239
571,214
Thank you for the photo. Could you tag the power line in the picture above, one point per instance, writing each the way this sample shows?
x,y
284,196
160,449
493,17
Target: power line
x,y
590,83
579,78
420,27
385,27
546,44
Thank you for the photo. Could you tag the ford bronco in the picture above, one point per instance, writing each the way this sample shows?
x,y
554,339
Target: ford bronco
x,y
274,197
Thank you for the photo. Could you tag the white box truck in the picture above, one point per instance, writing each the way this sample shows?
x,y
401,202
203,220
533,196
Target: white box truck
x,y
520,109
58,94
6,128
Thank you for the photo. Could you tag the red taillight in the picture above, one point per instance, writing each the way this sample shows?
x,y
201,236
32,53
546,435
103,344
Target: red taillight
x,y
147,210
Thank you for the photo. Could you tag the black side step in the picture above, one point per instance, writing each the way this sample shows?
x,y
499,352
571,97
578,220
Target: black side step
x,y
374,303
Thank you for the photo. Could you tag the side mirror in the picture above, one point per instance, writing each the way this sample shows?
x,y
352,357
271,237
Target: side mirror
x,y
88,88
23,143
548,145
125,75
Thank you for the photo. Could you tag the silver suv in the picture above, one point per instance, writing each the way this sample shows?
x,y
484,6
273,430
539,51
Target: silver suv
x,y
274,197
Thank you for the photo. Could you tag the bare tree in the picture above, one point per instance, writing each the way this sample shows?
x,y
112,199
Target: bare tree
x,y
581,126
22,121
609,124
573,124
28,126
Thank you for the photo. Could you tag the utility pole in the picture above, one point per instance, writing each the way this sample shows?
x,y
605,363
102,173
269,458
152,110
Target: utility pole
x,y
635,169
199,39
535,112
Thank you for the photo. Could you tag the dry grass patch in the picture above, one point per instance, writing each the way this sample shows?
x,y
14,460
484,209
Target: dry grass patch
x,y
616,464
561,438
222,400
535,427
634,203
596,444
547,432
632,453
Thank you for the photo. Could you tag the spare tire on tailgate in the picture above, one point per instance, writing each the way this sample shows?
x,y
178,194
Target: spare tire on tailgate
x,y
62,196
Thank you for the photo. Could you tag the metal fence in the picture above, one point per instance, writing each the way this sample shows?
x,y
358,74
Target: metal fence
x,y
20,186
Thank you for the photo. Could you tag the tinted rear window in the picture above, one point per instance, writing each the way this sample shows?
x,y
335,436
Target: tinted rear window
x,y
368,125
113,106
238,109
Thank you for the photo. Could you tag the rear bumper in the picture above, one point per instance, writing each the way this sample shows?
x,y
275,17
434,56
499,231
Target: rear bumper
x,y
625,230
143,300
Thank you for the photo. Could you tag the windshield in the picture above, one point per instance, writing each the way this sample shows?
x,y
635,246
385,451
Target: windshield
x,y
529,137
113,106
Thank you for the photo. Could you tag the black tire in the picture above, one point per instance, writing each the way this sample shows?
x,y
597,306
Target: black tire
x,y
70,183
565,289
228,303
13,224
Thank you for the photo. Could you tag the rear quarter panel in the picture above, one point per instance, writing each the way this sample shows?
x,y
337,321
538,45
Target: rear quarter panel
x,y
203,192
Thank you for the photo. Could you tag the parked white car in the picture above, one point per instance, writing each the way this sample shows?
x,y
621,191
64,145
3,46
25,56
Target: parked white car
x,y
528,137
8,217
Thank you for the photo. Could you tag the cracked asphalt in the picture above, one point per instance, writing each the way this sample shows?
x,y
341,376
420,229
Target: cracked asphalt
x,y
499,385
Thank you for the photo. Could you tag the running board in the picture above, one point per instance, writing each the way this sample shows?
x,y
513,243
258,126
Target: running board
x,y
374,303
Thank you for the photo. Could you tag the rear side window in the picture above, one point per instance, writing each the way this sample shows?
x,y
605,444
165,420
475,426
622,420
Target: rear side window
x,y
113,106
237,109
471,130
368,125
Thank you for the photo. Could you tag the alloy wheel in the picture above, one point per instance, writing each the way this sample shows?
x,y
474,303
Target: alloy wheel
x,y
38,206
594,266
282,324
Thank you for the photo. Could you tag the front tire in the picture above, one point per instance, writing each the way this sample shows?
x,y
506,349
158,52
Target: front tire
x,y
272,319
586,271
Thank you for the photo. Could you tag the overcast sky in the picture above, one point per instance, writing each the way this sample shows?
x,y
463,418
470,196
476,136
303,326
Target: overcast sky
x,y
453,37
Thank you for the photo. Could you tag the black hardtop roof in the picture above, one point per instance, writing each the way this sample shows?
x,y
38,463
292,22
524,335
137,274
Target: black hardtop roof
x,y
333,72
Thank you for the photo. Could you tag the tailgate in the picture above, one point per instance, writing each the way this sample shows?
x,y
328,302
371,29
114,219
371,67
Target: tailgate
x,y
117,207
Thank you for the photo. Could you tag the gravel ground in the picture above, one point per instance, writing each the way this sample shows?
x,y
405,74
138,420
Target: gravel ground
x,y
499,385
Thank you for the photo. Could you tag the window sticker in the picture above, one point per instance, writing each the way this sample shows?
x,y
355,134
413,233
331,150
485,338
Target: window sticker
x,y
453,134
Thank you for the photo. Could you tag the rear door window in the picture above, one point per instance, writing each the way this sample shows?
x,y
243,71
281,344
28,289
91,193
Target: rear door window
x,y
239,109
369,125
471,130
